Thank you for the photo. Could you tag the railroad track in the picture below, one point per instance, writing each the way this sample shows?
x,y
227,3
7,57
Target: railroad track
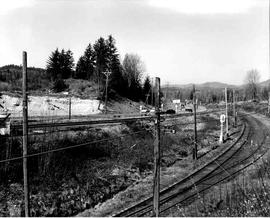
x,y
224,166
230,170
106,120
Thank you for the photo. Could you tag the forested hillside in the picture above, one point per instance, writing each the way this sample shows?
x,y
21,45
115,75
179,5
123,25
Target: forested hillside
x,y
11,78
99,62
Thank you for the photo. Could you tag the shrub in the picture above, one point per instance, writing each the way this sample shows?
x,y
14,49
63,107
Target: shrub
x,y
59,85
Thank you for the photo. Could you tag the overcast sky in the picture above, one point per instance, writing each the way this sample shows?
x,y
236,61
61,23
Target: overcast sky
x,y
181,41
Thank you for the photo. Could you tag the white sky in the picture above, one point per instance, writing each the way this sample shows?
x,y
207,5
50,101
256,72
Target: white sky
x,y
181,41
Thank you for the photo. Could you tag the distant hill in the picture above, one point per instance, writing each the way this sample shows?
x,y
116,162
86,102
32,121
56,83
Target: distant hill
x,y
13,67
11,78
208,91
212,85
216,85
265,83
209,85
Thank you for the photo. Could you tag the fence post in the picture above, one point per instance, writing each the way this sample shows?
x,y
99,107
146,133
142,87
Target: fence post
x,y
25,136
195,125
157,150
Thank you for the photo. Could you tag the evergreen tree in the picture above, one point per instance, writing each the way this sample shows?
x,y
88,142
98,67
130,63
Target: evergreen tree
x,y
81,69
101,60
60,64
53,65
113,56
67,63
85,65
117,81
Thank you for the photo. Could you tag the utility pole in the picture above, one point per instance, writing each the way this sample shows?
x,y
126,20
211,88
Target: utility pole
x,y
25,135
157,150
195,125
268,103
107,74
227,120
69,108
152,92
234,111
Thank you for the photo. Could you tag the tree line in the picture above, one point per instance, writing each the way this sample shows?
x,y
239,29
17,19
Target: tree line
x,y
250,90
126,77
11,78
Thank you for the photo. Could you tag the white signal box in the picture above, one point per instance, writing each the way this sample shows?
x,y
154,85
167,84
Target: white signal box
x,y
222,118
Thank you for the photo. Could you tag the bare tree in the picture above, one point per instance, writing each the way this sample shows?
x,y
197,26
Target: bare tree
x,y
133,68
251,80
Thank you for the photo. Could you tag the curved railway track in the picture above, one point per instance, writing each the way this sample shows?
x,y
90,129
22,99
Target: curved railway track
x,y
228,171
226,165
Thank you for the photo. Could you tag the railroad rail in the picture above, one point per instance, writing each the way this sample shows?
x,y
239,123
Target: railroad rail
x,y
220,168
115,119
229,170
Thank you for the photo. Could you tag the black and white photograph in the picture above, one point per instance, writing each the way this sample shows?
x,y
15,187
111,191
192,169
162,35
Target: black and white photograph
x,y
142,108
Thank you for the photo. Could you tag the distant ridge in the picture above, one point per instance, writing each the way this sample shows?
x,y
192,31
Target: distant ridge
x,y
265,83
211,85
17,67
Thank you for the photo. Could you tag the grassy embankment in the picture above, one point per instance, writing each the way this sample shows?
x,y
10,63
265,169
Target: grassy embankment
x,y
67,182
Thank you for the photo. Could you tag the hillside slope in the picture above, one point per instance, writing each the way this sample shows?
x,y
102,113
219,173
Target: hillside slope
x,y
11,78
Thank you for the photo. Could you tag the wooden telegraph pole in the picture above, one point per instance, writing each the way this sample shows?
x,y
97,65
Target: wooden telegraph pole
x,y
25,135
268,109
227,120
157,150
69,108
152,92
195,125
107,74
234,111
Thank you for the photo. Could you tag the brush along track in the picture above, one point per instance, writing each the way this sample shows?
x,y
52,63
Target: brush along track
x,y
187,184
